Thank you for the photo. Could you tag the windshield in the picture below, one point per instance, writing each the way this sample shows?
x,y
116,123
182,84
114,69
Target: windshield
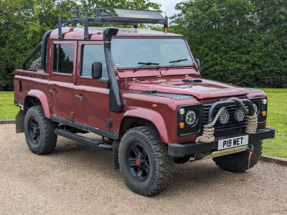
x,y
128,52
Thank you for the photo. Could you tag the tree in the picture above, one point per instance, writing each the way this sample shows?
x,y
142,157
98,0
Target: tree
x,y
23,23
238,41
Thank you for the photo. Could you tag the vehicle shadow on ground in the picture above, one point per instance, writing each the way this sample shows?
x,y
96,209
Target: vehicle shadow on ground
x,y
190,177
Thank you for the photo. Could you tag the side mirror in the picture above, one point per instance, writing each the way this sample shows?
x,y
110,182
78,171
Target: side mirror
x,y
197,61
97,70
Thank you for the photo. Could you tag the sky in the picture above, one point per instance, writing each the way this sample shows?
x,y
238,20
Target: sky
x,y
167,6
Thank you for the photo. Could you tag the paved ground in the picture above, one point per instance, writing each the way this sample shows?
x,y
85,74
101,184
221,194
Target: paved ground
x,y
78,179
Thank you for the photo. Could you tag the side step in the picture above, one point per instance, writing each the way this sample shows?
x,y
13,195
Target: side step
x,y
82,139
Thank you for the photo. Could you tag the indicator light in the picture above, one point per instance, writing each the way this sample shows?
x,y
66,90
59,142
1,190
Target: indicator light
x,y
263,113
181,125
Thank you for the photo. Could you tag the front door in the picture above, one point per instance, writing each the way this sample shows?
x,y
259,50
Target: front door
x,y
62,78
91,97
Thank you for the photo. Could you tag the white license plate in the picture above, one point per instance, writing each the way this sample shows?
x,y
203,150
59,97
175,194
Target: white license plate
x,y
232,142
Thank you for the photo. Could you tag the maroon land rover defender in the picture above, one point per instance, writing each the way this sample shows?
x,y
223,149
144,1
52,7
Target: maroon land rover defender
x,y
142,92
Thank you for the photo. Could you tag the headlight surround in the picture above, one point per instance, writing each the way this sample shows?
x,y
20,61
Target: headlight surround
x,y
190,117
260,107
255,109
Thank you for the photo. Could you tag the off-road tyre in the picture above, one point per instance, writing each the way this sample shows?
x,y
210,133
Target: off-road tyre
x,y
46,142
160,163
239,162
36,64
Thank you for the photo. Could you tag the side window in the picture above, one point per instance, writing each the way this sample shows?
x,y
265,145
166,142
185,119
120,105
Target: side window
x,y
91,54
63,58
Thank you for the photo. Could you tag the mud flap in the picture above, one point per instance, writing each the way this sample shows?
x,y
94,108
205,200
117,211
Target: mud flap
x,y
20,121
116,154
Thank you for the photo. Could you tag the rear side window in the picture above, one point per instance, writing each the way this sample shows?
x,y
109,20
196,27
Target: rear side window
x,y
63,58
91,54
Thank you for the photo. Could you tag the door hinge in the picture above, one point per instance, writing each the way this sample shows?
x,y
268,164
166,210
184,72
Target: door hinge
x,y
72,115
109,124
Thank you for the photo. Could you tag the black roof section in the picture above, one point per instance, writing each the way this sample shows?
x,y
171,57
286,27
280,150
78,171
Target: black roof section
x,y
114,16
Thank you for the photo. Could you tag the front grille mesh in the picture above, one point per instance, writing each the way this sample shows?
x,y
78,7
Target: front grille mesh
x,y
232,124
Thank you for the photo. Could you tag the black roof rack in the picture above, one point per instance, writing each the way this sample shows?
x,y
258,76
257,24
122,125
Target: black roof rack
x,y
118,17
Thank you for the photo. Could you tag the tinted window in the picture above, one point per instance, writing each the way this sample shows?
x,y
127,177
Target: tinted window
x,y
91,54
63,58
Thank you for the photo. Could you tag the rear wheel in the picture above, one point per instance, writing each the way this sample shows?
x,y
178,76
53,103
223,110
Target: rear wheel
x,y
144,161
239,162
39,131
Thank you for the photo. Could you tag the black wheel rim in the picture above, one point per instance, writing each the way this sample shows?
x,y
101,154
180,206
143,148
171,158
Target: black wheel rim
x,y
138,161
34,130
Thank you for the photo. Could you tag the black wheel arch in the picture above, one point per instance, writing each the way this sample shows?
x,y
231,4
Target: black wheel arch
x,y
131,122
31,101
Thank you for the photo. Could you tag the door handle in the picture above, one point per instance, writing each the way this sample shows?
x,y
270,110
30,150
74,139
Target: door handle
x,y
53,91
80,97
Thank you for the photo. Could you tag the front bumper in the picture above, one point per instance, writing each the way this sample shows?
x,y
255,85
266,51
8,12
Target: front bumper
x,y
181,150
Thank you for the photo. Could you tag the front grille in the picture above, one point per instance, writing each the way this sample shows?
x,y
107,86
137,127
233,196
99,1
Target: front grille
x,y
231,125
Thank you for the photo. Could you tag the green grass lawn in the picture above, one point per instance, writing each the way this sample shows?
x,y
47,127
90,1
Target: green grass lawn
x,y
7,108
276,118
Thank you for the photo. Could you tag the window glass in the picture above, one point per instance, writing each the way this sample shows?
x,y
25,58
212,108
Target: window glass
x,y
91,54
63,58
129,52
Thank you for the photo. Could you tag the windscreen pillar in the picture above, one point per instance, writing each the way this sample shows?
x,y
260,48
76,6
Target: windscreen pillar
x,y
115,102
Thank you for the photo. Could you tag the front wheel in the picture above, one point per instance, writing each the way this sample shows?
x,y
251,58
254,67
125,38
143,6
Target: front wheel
x,y
239,162
144,161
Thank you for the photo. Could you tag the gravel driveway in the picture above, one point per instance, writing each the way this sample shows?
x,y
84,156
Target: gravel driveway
x,y
78,179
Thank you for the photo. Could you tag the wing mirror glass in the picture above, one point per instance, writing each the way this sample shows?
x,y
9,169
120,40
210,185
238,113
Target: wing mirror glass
x,y
97,70
197,61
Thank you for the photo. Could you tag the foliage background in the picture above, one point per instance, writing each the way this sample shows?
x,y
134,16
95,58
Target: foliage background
x,y
24,22
238,41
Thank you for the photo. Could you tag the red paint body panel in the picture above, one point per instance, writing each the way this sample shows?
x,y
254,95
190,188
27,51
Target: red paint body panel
x,y
205,90
33,84
62,101
44,100
93,110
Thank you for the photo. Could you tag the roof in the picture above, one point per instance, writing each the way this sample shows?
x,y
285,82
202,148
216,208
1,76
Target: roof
x,y
96,33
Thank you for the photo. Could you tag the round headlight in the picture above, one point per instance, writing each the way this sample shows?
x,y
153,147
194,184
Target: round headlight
x,y
224,117
190,117
264,101
255,108
181,111
239,114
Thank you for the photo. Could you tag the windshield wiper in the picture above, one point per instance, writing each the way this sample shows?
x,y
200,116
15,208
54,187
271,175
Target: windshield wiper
x,y
175,61
145,64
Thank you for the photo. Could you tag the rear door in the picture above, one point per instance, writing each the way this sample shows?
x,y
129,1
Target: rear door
x,y
62,78
91,97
